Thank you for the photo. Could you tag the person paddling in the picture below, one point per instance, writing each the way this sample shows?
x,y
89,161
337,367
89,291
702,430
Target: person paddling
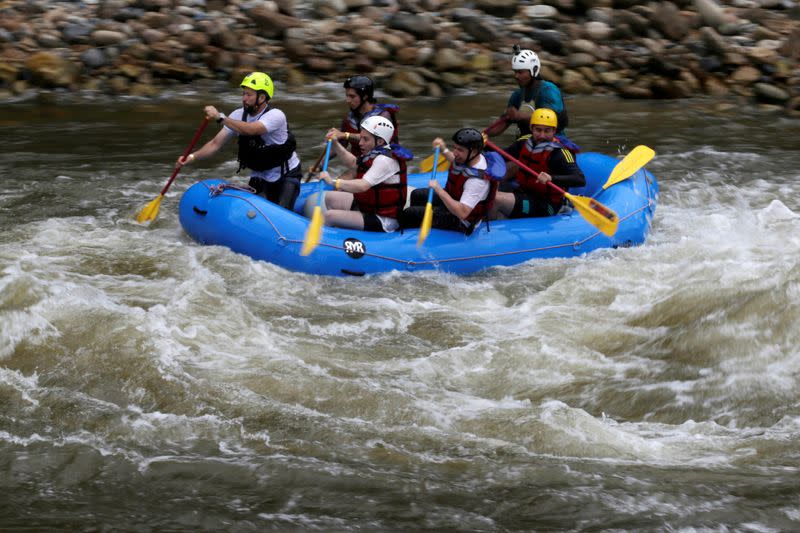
x,y
467,197
370,195
533,93
359,93
543,153
266,145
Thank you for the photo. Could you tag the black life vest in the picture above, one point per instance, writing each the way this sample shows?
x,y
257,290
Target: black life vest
x,y
384,199
257,155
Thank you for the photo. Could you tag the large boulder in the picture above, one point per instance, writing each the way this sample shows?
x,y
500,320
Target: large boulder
x,y
272,24
51,70
498,8
422,27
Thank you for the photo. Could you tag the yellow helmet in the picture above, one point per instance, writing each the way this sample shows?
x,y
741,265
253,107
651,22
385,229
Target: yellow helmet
x,y
544,117
258,81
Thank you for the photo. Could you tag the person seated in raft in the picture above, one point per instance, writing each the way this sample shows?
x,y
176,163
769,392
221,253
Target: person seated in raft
x,y
266,144
543,153
372,192
359,93
471,185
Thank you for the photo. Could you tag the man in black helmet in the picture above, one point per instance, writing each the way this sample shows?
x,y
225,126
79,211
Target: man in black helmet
x,y
471,185
359,93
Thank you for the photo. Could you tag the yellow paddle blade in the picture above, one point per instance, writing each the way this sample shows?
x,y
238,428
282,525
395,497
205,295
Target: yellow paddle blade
x,y
427,221
427,164
150,211
630,164
313,233
595,213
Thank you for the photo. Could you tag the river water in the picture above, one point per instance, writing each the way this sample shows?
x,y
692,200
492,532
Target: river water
x,y
150,383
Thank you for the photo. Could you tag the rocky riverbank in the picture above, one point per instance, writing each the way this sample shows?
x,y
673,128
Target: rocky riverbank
x,y
746,49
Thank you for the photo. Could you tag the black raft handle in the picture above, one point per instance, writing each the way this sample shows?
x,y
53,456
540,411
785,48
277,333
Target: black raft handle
x,y
199,211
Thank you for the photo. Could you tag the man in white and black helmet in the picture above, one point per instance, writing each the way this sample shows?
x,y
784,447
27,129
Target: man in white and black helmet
x,y
533,93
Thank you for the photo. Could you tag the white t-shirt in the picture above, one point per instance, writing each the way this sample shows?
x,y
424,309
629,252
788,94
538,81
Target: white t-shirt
x,y
475,189
384,169
277,133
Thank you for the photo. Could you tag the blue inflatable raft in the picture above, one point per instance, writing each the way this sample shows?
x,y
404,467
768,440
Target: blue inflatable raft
x,y
248,224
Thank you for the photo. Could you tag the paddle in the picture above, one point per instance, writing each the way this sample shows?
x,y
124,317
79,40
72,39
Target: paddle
x,y
630,164
315,166
314,231
427,218
150,211
593,211
426,165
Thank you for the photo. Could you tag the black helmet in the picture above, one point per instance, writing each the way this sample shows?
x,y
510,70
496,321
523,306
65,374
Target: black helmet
x,y
363,85
469,138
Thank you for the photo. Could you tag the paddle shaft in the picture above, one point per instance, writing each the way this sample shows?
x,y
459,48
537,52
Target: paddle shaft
x,y
327,156
315,166
177,169
433,177
502,118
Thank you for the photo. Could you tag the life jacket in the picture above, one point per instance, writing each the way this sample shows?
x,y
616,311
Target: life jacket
x,y
458,176
257,155
563,117
536,157
352,121
567,143
383,199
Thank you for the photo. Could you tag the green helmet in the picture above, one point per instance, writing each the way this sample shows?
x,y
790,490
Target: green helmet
x,y
258,81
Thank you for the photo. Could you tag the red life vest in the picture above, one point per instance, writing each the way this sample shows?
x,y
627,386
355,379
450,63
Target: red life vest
x,y
352,121
384,199
457,178
536,157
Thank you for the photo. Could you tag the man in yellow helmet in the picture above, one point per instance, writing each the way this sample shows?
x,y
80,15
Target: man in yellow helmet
x,y
552,161
266,145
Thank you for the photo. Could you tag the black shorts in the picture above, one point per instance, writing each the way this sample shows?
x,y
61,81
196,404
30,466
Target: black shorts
x,y
371,220
527,206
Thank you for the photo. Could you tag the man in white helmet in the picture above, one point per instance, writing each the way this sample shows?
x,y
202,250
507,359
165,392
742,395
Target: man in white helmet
x,y
371,193
533,93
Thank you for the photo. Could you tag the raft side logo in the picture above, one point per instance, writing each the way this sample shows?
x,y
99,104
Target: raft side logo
x,y
354,248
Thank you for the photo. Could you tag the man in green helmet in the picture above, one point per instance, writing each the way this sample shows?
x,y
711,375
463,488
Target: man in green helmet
x,y
266,145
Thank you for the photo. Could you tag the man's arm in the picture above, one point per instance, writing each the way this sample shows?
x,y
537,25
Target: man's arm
x,y
454,206
344,155
564,170
239,126
209,149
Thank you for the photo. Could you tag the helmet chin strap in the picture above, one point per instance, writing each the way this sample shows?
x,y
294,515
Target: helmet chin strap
x,y
253,109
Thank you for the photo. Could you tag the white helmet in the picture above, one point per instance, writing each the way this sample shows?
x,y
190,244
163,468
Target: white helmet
x,y
526,59
379,127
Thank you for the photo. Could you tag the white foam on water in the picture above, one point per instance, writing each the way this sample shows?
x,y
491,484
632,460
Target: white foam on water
x,y
636,356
